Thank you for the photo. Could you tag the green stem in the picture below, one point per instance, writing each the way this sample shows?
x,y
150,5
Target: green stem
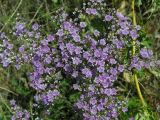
x,y
133,53
35,14
5,89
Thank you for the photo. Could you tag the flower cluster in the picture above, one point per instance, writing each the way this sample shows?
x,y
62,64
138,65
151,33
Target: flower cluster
x,y
6,54
93,56
18,112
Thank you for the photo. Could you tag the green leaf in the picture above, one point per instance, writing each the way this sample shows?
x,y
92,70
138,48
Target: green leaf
x,y
137,117
139,3
55,1
74,97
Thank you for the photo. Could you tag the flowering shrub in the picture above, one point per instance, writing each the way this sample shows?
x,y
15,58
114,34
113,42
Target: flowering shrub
x,y
92,56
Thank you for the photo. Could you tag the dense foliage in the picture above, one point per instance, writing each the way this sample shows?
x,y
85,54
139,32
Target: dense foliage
x,y
76,69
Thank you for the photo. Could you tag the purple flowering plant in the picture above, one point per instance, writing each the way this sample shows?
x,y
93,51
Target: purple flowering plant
x,y
91,57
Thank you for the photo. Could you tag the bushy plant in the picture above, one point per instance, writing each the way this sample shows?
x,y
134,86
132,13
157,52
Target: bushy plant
x,y
92,57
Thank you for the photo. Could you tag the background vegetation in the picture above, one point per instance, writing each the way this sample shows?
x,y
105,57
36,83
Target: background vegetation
x,y
13,83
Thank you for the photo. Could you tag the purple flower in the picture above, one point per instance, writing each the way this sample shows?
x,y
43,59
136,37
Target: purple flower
x,y
145,53
76,87
60,32
100,107
30,34
93,101
48,59
44,99
37,35
96,1
91,11
137,66
110,92
94,112
120,16
101,69
66,25
133,34
70,47
10,46
5,42
78,50
94,43
87,72
97,53
124,31
113,71
73,31
114,113
2,35
91,60
112,61
5,63
79,105
35,26
108,18
121,68
19,26
44,49
67,68
76,38
50,38
83,24
21,49
138,27
119,44
96,33
91,87
86,55
19,113
13,102
44,42
124,109
100,63
52,94
76,61
75,74
106,49
102,41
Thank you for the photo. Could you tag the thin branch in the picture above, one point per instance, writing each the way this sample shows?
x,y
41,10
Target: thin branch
x,y
12,15
35,14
